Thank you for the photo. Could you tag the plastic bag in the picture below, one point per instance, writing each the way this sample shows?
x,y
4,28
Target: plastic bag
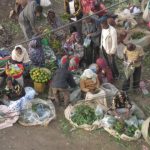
x,y
132,121
23,102
75,95
87,42
99,112
108,121
7,117
45,3
110,90
146,13
41,113
128,70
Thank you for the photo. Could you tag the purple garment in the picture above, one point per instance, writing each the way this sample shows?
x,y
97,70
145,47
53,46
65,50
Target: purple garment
x,y
36,53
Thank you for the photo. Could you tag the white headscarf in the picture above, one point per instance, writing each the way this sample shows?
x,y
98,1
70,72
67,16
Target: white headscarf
x,y
89,74
24,57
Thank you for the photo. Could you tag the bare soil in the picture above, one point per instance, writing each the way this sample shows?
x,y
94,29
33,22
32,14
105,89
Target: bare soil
x,y
58,135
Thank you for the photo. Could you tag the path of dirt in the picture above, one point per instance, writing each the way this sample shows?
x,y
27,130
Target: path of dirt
x,y
57,135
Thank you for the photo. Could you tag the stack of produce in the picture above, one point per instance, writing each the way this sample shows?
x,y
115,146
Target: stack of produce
x,y
84,114
51,65
39,75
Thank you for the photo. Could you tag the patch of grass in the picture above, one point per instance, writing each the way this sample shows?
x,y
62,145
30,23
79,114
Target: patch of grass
x,y
65,126
12,27
147,60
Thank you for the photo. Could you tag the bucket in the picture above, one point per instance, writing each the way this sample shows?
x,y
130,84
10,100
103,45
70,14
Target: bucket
x,y
39,87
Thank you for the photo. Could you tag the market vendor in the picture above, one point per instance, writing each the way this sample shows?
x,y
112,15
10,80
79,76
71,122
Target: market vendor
x,y
36,53
13,90
89,82
60,83
20,55
121,106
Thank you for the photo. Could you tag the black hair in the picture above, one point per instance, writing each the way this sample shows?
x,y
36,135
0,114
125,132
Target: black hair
x,y
73,29
18,48
38,9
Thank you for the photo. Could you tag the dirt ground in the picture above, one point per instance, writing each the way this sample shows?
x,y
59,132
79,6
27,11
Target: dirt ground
x,y
59,134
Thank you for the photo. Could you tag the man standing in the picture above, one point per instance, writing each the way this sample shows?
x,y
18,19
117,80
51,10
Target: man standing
x,y
27,19
109,44
61,81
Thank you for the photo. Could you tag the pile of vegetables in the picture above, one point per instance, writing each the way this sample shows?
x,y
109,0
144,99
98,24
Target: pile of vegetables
x,y
39,75
130,131
55,44
119,127
123,128
84,114
137,35
51,65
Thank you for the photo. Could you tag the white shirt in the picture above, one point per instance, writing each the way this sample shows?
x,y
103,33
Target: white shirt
x,y
109,40
72,9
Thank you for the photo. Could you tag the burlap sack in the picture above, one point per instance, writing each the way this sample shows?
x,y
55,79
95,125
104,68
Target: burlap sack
x,y
145,130
70,109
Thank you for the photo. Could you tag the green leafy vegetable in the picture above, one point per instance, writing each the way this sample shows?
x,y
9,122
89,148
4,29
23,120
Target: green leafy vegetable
x,y
138,35
130,131
84,115
119,127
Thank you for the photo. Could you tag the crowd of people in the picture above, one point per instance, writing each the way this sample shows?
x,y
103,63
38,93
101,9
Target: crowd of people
x,y
89,45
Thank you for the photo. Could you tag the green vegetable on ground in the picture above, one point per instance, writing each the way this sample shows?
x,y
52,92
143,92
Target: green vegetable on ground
x,y
130,131
84,114
138,35
119,127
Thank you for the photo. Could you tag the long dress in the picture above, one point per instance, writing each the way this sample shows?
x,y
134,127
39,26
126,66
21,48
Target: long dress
x,y
36,53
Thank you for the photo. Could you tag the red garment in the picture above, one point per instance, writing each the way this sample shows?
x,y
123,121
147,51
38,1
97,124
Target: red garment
x,y
101,7
87,5
104,70
73,62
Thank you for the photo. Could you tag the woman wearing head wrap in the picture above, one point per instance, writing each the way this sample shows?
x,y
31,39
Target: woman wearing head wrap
x,y
36,52
89,81
20,55
121,106
104,74
94,68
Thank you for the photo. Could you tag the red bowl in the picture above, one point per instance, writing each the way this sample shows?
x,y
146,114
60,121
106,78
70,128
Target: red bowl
x,y
17,75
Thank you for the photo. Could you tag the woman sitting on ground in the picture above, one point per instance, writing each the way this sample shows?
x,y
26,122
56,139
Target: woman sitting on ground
x,y
89,82
121,106
13,90
36,53
20,56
